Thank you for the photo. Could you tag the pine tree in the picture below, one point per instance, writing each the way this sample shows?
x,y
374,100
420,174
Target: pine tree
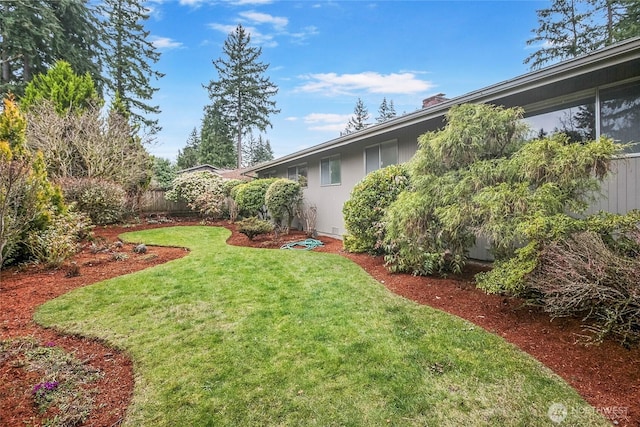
x,y
216,143
242,92
628,24
129,59
64,88
386,111
188,157
359,119
565,31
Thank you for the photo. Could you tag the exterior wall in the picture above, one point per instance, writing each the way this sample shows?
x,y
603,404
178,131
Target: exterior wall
x,y
621,189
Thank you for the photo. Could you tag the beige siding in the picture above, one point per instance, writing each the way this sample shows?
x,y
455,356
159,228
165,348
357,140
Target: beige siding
x,y
621,190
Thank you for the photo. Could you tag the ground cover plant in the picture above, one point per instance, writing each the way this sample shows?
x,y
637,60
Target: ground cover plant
x,y
240,336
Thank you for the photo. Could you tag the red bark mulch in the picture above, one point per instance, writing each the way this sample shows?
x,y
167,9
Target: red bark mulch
x,y
606,375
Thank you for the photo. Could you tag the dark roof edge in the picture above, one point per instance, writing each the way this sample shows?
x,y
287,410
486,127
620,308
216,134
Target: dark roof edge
x,y
562,69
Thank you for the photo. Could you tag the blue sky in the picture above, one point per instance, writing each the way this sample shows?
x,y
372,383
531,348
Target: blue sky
x,y
324,55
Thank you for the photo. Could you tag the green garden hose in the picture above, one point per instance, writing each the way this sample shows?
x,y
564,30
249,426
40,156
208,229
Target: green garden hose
x,y
304,245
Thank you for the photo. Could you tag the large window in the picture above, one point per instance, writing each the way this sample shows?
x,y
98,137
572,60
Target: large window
x,y
298,173
620,114
380,156
330,171
576,118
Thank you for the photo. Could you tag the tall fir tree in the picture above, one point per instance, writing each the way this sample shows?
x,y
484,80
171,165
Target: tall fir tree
x,y
566,30
628,24
241,92
129,60
188,157
386,111
34,34
359,119
216,141
257,150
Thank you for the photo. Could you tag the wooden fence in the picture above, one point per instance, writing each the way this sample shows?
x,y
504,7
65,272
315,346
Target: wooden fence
x,y
154,201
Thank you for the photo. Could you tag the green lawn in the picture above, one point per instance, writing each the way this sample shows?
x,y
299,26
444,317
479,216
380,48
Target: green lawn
x,y
231,336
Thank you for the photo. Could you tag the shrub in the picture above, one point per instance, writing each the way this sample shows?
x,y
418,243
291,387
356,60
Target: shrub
x,y
104,201
250,197
365,209
254,226
283,197
53,245
203,191
582,275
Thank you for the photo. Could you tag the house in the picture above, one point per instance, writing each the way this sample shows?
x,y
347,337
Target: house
x,y
588,96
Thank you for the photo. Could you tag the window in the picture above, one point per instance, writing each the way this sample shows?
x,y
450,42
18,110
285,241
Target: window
x,y
575,118
380,156
620,113
298,173
330,171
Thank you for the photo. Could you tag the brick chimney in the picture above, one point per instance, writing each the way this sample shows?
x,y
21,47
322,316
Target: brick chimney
x,y
433,100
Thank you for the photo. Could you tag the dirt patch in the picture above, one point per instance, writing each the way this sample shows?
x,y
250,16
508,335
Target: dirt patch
x,y
607,376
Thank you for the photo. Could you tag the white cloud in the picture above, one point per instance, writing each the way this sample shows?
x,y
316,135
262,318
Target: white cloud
x,y
263,18
369,82
326,121
165,43
192,3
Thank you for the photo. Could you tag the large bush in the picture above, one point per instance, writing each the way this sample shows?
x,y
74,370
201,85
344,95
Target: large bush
x,y
283,198
478,177
366,207
250,197
28,200
103,201
202,191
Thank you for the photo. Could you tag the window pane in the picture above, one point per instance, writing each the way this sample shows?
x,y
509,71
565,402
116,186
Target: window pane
x,y
335,171
576,119
372,160
302,175
388,154
325,177
291,174
620,114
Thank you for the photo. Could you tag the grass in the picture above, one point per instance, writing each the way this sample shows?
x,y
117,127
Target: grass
x,y
233,336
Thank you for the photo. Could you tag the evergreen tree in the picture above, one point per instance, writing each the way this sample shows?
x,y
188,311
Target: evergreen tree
x,y
216,142
565,30
257,151
27,31
628,24
163,173
80,43
386,111
359,119
242,92
129,59
188,157
34,34
64,88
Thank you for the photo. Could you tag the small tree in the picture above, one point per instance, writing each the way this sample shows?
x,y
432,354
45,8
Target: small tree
x,y
65,89
27,199
283,197
386,111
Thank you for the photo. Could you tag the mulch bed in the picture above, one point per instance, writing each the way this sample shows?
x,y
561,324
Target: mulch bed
x,y
606,375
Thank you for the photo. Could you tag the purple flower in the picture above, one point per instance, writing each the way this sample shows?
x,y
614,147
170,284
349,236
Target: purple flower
x,y
50,344
43,388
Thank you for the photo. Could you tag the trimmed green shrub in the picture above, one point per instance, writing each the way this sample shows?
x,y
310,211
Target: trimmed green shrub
x,y
250,197
283,198
229,185
366,207
254,226
202,191
103,201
